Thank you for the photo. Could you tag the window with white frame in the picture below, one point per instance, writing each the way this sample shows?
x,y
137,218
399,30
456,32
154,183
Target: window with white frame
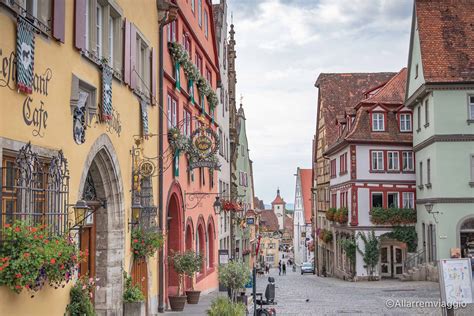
x,y
200,12
41,10
393,160
407,161
99,21
405,122
377,160
472,168
143,65
471,107
408,200
378,122
172,29
206,24
187,123
392,199
377,199
172,112
221,149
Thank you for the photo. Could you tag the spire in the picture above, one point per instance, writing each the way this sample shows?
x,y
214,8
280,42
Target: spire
x,y
278,191
278,199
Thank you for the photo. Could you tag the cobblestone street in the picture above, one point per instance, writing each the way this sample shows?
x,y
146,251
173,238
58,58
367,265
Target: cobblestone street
x,y
307,294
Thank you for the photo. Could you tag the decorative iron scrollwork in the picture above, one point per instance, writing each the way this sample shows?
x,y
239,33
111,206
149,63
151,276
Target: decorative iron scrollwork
x,y
90,193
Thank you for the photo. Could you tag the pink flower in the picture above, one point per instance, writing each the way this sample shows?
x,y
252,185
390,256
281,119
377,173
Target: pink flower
x,y
17,229
52,261
135,241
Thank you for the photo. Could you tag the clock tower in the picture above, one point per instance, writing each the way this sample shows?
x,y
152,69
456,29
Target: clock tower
x,y
278,207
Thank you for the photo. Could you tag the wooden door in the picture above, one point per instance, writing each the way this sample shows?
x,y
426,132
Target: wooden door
x,y
88,244
140,277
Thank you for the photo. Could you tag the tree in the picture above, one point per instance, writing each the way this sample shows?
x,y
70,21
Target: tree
x,y
234,276
186,263
371,252
349,245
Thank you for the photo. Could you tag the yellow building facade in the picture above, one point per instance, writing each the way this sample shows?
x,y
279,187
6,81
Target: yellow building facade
x,y
68,110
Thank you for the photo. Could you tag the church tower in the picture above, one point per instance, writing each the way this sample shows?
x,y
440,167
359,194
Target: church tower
x,y
278,207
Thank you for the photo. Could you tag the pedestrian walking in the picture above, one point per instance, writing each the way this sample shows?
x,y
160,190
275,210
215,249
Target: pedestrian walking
x,y
284,268
279,267
267,269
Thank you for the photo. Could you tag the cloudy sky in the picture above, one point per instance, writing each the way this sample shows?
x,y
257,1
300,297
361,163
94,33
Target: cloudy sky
x,y
282,47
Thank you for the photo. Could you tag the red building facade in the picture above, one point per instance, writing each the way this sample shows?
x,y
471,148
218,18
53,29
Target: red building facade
x,y
190,221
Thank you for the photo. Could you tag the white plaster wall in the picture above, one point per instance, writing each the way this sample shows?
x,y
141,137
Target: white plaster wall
x,y
345,177
361,271
363,206
363,164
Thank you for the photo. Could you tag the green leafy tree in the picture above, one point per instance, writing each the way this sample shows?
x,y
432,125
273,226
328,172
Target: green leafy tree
x,y
371,252
234,276
187,263
80,295
224,306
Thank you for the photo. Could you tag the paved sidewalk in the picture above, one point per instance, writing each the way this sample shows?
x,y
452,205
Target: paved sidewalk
x,y
201,308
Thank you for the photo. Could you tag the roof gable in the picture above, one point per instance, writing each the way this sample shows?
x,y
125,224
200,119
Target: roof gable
x,y
446,39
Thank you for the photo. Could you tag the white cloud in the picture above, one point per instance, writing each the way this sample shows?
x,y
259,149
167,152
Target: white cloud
x,y
282,46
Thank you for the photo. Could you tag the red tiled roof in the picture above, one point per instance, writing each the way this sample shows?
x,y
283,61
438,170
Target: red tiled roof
x,y
446,29
391,97
306,179
268,221
278,199
338,91
393,92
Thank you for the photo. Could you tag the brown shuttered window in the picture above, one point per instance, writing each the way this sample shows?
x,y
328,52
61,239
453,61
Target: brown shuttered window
x,y
58,19
80,24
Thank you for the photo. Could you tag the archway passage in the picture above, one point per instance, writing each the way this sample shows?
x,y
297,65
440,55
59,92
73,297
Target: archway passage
x,y
466,232
189,246
102,189
210,241
201,244
175,228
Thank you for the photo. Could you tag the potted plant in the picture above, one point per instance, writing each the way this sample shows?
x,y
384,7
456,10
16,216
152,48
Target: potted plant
x,y
234,276
133,298
224,306
81,295
193,264
186,263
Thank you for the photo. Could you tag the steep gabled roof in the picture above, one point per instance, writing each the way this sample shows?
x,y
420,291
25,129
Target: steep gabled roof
x,y
446,30
306,179
393,92
278,199
268,221
390,97
340,90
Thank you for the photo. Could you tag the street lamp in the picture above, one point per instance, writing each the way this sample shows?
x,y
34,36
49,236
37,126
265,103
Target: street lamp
x,y
429,210
136,212
81,212
217,205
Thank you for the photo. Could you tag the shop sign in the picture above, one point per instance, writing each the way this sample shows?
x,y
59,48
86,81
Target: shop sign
x,y
204,145
33,111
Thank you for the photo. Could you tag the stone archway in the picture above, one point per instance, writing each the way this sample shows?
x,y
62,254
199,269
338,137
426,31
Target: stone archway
x,y
103,167
175,233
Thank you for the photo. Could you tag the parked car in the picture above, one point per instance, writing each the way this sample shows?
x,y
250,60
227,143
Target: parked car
x,y
307,267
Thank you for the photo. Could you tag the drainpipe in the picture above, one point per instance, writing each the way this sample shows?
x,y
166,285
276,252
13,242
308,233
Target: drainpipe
x,y
167,12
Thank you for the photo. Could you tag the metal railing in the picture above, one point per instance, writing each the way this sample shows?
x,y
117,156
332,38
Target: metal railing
x,y
415,259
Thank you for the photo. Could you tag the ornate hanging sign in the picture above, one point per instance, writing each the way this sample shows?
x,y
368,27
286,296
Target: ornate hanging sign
x,y
203,146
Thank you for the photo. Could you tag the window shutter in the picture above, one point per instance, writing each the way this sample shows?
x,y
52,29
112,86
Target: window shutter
x,y
58,19
133,56
126,53
79,24
154,70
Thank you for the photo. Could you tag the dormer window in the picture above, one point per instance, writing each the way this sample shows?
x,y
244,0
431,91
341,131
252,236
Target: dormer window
x,y
378,122
405,122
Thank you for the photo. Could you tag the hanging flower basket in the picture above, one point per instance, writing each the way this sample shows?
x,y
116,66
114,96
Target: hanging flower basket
x,y
146,243
177,141
30,258
177,52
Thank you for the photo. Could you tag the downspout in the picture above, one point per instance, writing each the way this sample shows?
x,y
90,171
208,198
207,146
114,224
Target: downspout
x,y
161,267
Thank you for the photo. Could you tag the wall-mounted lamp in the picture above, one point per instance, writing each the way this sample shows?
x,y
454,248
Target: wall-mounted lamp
x,y
217,205
429,210
136,213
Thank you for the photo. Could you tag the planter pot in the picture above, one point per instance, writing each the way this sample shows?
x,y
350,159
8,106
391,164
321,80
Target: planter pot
x,y
177,303
193,296
134,309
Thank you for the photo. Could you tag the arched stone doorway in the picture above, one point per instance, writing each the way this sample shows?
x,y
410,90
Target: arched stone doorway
x,y
175,233
466,236
101,174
